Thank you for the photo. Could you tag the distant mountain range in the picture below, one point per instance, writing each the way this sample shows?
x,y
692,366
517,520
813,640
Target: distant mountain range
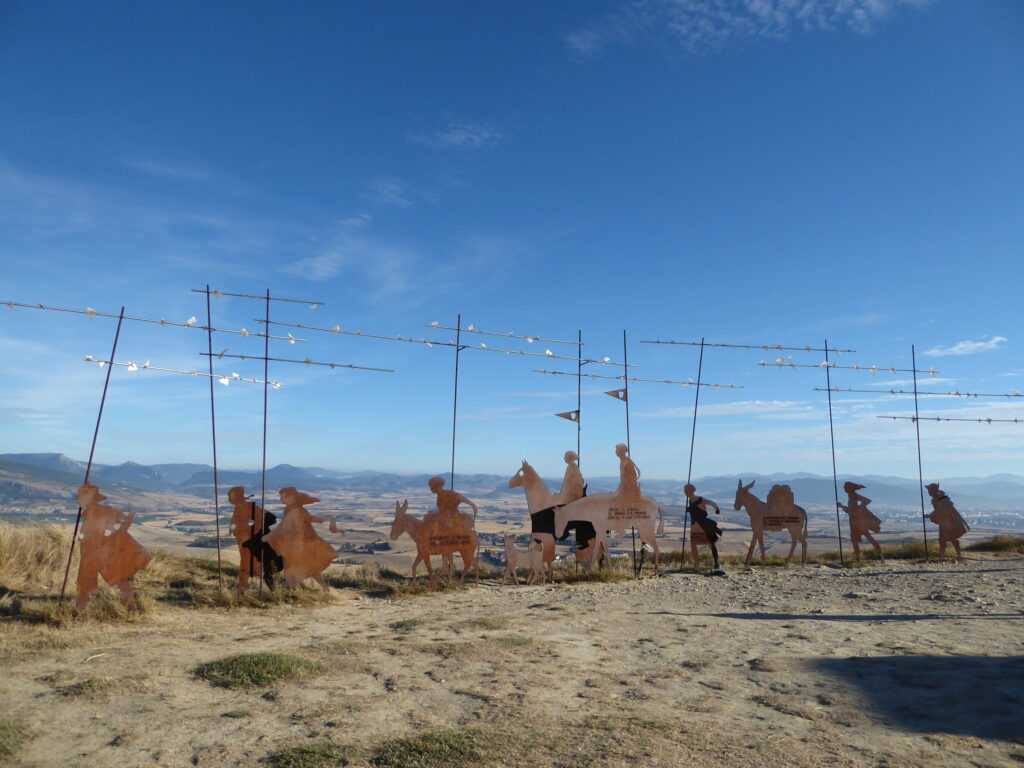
x,y
34,478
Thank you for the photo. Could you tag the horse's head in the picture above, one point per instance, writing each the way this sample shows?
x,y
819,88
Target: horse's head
x,y
398,526
742,493
516,480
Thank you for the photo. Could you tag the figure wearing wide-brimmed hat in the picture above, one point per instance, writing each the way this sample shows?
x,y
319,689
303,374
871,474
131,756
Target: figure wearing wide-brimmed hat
x,y
944,515
862,520
108,550
305,554
249,523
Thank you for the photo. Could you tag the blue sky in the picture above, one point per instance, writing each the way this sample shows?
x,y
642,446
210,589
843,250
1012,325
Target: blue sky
x,y
758,171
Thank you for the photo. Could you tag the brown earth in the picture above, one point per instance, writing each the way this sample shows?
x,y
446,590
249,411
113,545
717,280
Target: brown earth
x,y
905,664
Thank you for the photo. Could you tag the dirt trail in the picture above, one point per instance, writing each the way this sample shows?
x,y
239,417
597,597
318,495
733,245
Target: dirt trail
x,y
897,665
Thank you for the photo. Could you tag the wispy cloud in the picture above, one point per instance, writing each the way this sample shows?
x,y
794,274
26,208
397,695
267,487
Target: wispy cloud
x,y
388,190
701,25
967,347
461,135
183,172
392,270
762,408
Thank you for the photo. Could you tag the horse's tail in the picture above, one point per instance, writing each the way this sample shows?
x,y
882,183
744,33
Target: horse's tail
x,y
661,521
805,522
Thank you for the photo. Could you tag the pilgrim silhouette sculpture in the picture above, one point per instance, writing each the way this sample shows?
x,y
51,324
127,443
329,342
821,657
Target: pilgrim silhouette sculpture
x,y
305,554
108,550
944,515
862,520
249,524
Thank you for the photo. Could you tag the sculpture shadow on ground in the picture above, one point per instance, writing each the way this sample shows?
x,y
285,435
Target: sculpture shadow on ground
x,y
979,696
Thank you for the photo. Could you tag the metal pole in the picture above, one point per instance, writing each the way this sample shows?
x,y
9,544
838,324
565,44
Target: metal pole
x,y
625,377
832,436
455,399
263,472
579,389
693,437
213,428
920,471
92,451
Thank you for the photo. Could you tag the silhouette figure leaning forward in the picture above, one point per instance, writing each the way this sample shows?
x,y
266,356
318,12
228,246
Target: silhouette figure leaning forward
x,y
249,523
944,515
862,520
108,550
697,508
305,554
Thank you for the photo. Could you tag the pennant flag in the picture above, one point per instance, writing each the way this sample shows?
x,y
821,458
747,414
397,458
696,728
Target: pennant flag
x,y
569,415
619,394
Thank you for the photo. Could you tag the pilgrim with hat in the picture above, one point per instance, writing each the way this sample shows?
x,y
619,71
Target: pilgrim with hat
x,y
108,550
862,520
305,554
944,515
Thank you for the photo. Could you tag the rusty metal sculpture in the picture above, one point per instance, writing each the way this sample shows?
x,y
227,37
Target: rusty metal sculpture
x,y
710,533
108,550
764,517
305,554
249,524
951,525
863,522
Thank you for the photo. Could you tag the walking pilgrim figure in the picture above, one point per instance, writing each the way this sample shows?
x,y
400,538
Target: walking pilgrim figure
x,y
862,520
951,525
249,524
305,554
108,550
697,507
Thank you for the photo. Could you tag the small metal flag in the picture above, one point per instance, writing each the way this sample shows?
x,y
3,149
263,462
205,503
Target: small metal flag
x,y
569,415
619,394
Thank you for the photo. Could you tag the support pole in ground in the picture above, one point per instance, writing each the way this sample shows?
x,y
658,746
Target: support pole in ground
x,y
455,397
213,429
832,436
693,438
625,378
263,471
579,424
92,451
579,390
920,471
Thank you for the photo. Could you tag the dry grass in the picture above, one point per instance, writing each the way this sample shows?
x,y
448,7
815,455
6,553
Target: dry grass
x,y
33,557
32,562
13,736
249,670
1013,545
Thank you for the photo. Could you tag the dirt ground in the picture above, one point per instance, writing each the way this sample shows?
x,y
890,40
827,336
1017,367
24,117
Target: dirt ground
x,y
903,664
